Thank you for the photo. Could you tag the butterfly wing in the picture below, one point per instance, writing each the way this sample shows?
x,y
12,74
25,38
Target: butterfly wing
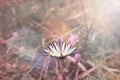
x,y
68,50
53,50
59,49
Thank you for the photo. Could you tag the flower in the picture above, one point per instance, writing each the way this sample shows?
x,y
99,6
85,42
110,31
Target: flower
x,y
14,65
34,7
77,57
8,66
21,49
15,34
73,39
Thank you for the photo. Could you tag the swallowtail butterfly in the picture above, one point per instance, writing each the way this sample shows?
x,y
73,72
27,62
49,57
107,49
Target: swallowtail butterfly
x,y
60,49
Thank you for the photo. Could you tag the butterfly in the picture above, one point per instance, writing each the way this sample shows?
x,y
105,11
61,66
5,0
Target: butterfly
x,y
60,49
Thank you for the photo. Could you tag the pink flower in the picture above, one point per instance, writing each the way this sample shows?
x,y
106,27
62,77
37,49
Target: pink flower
x,y
77,57
21,49
15,34
35,7
73,39
14,65
8,66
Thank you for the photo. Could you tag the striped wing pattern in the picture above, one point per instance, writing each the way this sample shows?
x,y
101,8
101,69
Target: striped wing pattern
x,y
59,49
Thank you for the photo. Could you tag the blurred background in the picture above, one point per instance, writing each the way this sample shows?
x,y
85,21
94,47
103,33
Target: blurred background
x,y
28,26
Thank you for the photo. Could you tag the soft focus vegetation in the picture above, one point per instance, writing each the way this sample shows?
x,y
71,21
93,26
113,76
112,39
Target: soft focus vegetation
x,y
29,26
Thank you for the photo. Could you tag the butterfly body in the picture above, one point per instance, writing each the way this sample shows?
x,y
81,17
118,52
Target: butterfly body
x,y
60,49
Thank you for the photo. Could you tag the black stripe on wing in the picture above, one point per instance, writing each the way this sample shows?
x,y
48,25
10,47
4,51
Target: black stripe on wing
x,y
58,48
